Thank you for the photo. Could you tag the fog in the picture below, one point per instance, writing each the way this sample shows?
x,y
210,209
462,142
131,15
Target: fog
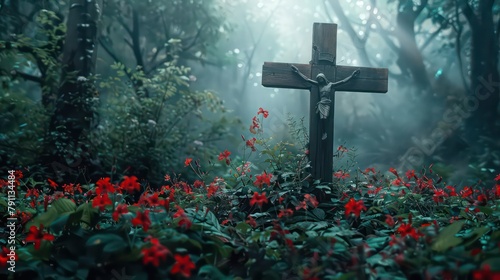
x,y
383,128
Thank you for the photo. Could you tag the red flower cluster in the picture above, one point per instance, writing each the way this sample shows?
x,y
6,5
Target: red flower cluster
x,y
486,273
312,200
264,113
183,265
52,184
130,184
259,199
184,219
285,213
263,178
251,144
439,195
101,201
142,219
36,235
119,210
155,253
408,230
225,156
341,174
4,257
212,189
354,207
104,185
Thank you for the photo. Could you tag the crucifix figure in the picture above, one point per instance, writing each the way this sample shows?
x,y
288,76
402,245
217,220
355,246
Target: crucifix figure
x,y
325,88
322,98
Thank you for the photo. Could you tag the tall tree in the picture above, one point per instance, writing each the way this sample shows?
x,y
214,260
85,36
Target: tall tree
x,y
484,76
66,144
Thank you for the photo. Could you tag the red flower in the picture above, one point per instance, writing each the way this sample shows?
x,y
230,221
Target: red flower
x,y
497,178
389,220
251,144
185,222
71,188
314,202
198,184
120,210
301,205
410,174
354,207
52,184
370,169
180,212
466,192
497,190
183,265
255,124
439,195
397,182
451,190
154,200
36,235
101,201
263,178
212,189
225,155
4,256
408,230
187,162
393,171
104,185
251,221
341,174
154,254
265,113
32,192
342,149
130,184
46,200
142,219
485,273
285,213
258,199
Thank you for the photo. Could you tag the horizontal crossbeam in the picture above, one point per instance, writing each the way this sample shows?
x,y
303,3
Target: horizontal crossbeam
x,y
280,75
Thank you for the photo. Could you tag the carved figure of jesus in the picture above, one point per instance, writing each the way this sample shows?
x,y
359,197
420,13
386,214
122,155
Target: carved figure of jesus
x,y
325,87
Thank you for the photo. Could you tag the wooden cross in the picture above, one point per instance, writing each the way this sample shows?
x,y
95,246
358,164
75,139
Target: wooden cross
x,y
281,75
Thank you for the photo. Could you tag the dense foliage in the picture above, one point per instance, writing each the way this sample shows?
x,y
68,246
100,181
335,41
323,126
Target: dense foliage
x,y
267,222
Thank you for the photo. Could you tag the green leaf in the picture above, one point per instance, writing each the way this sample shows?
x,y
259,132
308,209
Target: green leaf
x,y
318,214
63,205
243,227
115,246
446,238
211,272
43,219
103,238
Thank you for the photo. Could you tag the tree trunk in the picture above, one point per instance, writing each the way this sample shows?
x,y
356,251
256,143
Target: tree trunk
x,y
67,148
484,94
410,59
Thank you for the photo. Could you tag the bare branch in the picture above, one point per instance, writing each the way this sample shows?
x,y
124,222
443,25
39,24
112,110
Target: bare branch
x,y
27,77
420,8
136,48
469,14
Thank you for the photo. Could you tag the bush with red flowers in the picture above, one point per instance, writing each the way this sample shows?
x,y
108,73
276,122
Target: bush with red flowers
x,y
268,221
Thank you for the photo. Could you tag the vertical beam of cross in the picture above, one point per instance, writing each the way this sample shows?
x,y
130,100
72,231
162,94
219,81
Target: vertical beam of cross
x,y
324,53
